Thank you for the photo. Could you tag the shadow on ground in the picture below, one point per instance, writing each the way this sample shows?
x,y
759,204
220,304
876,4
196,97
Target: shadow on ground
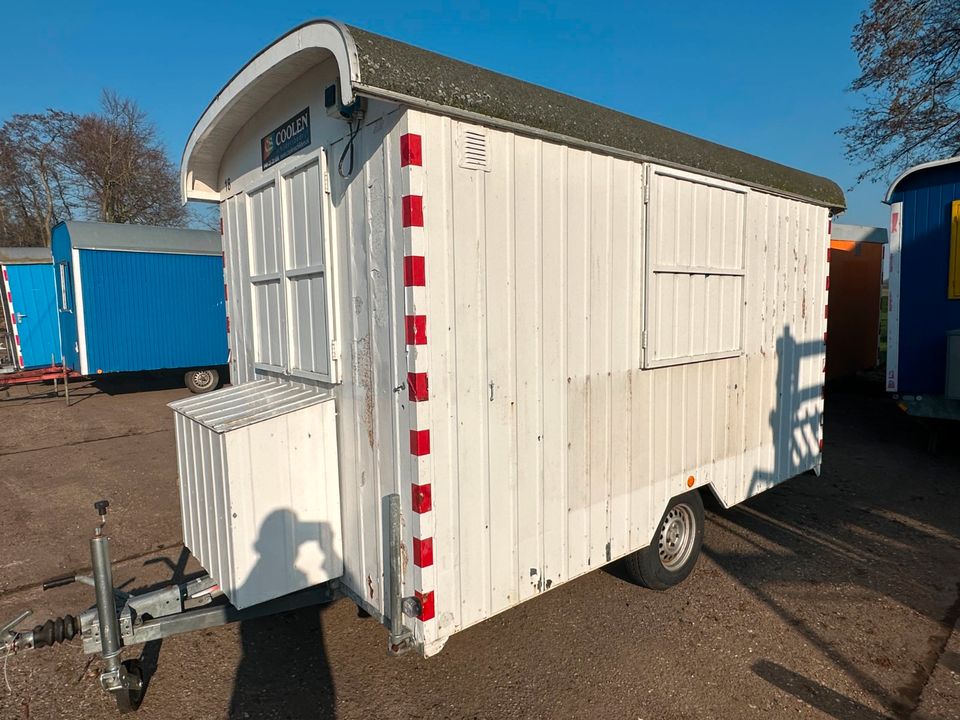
x,y
881,510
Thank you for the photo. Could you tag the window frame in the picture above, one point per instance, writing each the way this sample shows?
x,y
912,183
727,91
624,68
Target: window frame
x,y
65,297
653,270
277,176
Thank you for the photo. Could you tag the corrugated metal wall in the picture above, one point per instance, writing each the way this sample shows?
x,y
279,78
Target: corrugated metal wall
x,y
552,451
149,311
926,313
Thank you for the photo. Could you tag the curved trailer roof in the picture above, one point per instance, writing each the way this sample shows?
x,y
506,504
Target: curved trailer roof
x,y
917,168
377,66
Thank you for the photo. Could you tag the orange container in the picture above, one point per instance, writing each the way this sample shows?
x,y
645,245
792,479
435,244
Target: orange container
x,y
856,278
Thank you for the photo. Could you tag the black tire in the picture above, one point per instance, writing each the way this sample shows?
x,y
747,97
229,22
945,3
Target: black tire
x,y
201,380
669,559
129,700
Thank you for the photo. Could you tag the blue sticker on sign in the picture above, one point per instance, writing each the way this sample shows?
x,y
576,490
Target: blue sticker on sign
x,y
287,139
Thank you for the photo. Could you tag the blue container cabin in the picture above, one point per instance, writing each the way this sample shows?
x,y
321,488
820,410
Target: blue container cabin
x,y
134,298
31,337
924,300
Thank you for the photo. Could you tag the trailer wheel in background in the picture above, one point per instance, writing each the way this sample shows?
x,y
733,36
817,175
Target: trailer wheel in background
x,y
129,700
202,380
670,558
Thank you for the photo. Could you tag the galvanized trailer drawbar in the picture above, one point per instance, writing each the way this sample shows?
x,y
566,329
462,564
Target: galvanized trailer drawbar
x,y
485,338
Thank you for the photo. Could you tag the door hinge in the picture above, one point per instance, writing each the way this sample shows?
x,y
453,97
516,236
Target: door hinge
x,y
643,339
646,193
334,350
326,181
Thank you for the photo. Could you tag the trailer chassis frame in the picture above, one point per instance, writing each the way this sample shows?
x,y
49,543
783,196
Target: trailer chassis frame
x,y
122,620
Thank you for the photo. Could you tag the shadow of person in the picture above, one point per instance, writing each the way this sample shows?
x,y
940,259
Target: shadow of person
x,y
283,672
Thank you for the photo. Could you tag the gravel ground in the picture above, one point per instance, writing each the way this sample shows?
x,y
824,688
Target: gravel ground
x,y
830,597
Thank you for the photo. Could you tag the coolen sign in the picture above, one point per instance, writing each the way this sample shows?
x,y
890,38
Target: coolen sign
x,y
285,140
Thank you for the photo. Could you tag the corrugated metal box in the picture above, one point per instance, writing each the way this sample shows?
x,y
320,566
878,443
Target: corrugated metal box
x,y
856,278
259,488
139,298
924,249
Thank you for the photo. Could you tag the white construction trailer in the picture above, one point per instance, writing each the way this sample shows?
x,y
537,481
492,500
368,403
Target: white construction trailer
x,y
485,338
545,325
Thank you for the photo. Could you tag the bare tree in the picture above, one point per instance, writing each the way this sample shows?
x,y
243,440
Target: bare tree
x,y
909,53
107,166
33,194
119,169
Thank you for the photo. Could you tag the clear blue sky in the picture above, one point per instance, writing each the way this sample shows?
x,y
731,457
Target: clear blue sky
x,y
765,77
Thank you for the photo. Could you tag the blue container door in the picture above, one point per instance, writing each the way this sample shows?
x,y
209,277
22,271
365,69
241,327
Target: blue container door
x,y
35,310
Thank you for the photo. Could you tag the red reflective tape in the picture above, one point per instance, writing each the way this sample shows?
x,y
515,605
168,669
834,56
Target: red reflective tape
x,y
221,232
17,338
411,150
828,254
9,296
420,442
421,498
228,323
824,338
826,311
423,552
418,386
5,274
416,329
821,443
225,292
412,210
828,282
427,610
13,318
413,271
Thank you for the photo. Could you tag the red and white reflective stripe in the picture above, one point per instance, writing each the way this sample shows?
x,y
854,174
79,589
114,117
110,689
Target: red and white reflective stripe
x,y
12,320
416,334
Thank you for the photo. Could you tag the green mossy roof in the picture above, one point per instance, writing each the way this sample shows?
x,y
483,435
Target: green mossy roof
x,y
407,70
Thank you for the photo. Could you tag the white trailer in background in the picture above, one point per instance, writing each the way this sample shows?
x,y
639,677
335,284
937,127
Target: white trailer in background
x,y
540,322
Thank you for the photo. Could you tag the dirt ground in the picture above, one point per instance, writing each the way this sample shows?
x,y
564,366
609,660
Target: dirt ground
x,y
830,597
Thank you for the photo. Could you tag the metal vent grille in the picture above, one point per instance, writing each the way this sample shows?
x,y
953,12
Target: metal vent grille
x,y
473,148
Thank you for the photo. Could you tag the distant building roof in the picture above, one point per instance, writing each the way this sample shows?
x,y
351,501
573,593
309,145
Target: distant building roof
x,y
141,238
24,255
859,233
370,64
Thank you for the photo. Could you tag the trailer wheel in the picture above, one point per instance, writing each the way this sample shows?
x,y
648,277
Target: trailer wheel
x,y
129,699
670,558
201,381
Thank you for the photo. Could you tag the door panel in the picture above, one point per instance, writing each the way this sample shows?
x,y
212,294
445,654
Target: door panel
x,y
35,304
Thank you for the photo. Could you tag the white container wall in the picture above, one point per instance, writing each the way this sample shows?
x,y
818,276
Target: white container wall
x,y
553,451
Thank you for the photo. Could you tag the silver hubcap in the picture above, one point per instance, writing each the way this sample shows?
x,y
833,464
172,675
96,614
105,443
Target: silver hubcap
x,y
676,537
202,378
